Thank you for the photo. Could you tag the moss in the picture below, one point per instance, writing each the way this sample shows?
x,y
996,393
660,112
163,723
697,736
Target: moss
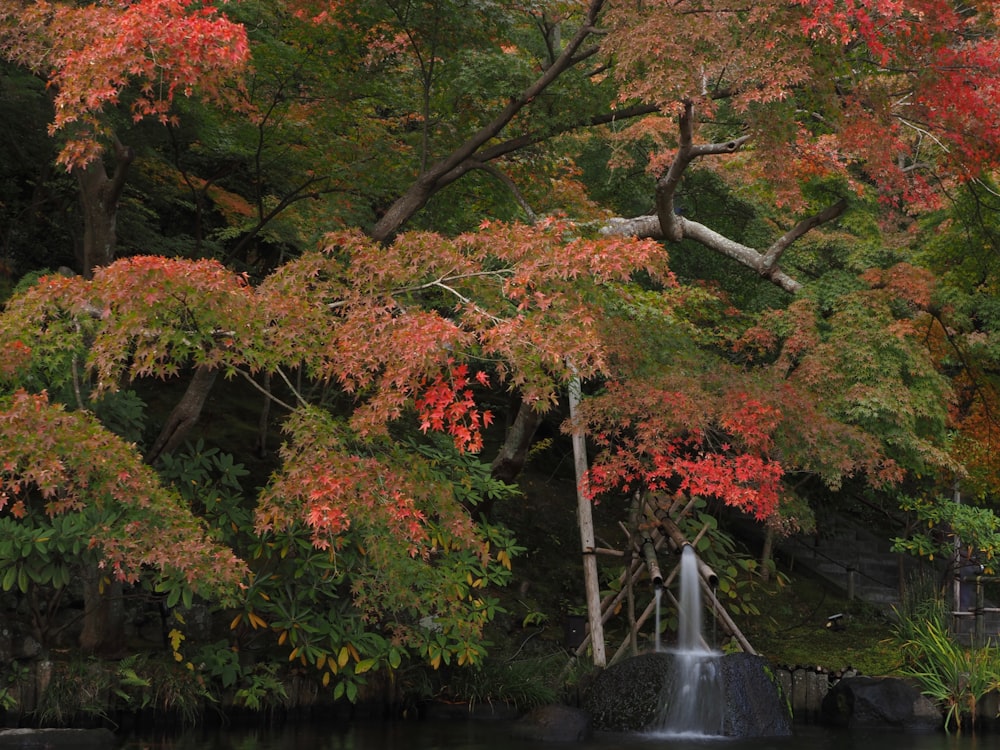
x,y
794,632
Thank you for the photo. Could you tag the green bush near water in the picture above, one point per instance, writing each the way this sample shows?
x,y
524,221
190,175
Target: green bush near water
x,y
955,676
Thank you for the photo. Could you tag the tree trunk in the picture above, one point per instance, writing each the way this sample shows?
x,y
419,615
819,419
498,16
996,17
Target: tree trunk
x,y
766,555
100,194
103,630
514,452
185,414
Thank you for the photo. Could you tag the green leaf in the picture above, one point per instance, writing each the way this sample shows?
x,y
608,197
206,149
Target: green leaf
x,y
173,597
364,665
395,658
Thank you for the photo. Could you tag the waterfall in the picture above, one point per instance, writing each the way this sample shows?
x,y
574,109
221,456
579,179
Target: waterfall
x,y
692,701
658,596
689,601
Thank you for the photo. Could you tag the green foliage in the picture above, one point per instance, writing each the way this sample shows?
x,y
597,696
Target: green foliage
x,y
82,690
257,687
308,603
220,662
77,689
42,554
164,686
955,676
740,587
977,530
262,689
471,478
523,684
122,412
14,679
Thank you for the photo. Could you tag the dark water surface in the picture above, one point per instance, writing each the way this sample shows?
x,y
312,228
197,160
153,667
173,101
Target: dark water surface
x,y
460,735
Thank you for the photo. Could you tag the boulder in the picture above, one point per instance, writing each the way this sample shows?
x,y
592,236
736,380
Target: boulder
x,y
554,723
625,697
880,703
755,705
630,696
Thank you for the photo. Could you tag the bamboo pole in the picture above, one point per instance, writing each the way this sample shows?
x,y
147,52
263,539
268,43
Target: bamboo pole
x,y
677,537
585,517
723,615
611,601
649,555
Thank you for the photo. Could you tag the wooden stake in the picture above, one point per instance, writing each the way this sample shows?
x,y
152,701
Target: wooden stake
x,y
585,517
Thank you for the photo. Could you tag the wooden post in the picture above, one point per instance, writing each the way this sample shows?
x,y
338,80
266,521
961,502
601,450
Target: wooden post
x,y
585,517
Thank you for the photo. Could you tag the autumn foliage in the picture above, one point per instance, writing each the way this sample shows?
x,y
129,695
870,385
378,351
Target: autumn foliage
x,y
142,54
380,345
892,94
70,465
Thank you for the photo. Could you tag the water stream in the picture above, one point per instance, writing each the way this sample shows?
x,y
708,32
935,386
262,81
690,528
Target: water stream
x,y
692,703
658,596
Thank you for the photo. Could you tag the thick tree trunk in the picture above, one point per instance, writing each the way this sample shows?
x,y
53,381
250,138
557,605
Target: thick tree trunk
x,y
514,452
185,414
103,630
100,194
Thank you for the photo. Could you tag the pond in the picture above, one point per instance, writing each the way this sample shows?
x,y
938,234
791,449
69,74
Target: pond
x,y
478,735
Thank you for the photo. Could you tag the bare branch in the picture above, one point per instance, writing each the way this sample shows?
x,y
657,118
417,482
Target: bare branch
x,y
666,186
431,180
773,254
515,191
668,224
743,254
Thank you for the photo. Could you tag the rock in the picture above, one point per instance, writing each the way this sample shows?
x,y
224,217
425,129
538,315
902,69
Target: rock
x,y
554,723
57,738
880,703
627,696
754,703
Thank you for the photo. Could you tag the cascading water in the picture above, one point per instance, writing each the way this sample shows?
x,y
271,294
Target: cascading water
x,y
658,596
692,703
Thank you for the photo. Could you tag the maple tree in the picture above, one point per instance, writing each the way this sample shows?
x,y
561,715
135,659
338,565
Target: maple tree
x,y
96,55
861,95
344,483
535,307
959,248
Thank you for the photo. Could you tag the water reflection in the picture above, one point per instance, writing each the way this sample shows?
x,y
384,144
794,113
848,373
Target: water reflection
x,y
458,735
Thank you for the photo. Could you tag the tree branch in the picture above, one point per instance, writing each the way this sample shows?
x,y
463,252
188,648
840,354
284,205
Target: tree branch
x,y
666,186
774,253
669,225
511,145
512,186
430,181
